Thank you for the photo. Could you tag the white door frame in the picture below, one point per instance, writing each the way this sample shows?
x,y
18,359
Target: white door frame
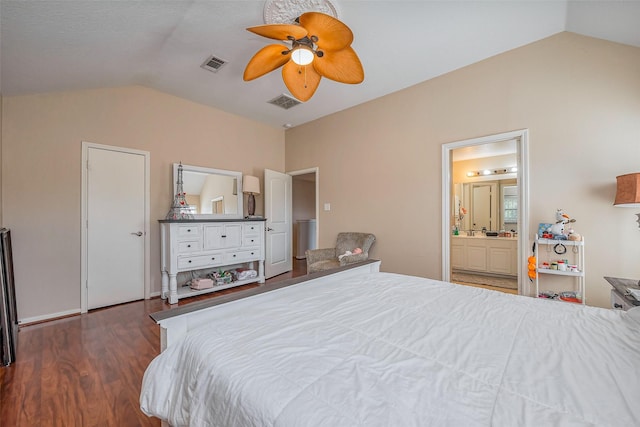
x,y
83,222
522,144
316,171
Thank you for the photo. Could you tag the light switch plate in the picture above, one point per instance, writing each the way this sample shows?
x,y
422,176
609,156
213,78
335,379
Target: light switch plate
x,y
327,207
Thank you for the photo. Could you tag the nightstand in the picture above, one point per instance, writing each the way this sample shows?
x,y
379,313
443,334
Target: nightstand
x,y
620,301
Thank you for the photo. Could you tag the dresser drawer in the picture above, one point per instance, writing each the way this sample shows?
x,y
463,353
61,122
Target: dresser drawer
x,y
250,241
618,302
187,246
240,256
252,229
200,261
188,231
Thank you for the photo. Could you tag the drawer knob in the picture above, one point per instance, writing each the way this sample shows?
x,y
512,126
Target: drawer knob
x,y
189,261
234,255
213,258
223,235
188,230
188,246
616,305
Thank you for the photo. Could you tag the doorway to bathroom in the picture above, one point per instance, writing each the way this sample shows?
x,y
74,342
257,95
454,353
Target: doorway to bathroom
x,y
485,221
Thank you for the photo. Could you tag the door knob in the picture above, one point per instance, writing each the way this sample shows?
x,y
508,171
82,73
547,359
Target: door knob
x,y
139,233
269,229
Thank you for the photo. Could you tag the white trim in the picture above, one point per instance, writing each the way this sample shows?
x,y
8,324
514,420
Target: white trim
x,y
315,170
522,146
83,221
50,316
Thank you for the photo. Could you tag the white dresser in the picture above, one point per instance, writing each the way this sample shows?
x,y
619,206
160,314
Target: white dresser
x,y
188,245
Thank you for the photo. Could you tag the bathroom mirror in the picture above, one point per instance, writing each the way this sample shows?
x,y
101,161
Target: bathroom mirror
x,y
490,204
211,193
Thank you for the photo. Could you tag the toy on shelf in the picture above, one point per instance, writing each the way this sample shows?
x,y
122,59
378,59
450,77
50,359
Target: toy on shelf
x,y
557,231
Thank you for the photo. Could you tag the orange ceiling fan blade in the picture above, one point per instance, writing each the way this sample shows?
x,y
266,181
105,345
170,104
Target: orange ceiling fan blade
x,y
341,66
332,34
266,60
329,40
279,31
302,81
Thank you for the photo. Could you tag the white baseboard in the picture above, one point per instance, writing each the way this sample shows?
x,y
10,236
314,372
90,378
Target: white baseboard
x,y
49,316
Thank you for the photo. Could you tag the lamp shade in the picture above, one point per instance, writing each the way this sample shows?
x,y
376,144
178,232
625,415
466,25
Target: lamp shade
x,y
251,184
628,190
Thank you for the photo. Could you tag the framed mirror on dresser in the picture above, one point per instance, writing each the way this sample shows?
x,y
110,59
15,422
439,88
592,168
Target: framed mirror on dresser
x,y
211,193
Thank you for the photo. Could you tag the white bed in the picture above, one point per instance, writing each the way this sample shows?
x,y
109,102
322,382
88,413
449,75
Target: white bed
x,y
381,349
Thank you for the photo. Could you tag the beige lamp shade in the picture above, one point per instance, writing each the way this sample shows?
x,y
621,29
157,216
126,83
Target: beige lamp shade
x,y
251,184
628,190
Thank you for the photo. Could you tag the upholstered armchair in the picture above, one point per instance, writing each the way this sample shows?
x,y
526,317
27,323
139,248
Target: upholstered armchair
x,y
328,258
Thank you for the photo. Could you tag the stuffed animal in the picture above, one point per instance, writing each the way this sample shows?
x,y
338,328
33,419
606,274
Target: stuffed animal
x,y
557,229
356,251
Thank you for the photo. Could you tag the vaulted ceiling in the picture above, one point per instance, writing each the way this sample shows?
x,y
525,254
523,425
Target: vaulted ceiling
x,y
50,46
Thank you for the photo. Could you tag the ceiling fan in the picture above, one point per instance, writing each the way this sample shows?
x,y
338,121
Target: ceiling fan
x,y
320,47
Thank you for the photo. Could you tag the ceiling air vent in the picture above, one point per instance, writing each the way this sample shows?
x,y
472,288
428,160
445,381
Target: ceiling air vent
x,y
213,64
284,101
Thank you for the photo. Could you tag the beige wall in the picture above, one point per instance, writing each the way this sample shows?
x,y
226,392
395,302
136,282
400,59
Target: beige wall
x,y
304,199
459,169
380,162
41,173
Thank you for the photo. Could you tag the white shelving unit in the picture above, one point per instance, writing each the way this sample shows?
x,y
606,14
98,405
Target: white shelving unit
x,y
545,251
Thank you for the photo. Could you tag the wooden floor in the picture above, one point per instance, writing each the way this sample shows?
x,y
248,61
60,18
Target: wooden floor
x,y
492,288
86,370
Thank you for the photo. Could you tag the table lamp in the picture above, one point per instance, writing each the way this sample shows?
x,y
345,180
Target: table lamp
x,y
251,186
628,191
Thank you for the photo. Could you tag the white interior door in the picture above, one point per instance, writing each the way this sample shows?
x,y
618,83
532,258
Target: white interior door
x,y
278,210
116,225
482,209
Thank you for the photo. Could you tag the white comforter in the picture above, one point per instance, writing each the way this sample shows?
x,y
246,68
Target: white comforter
x,y
393,350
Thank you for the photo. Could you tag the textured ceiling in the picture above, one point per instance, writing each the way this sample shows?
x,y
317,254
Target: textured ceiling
x,y
65,45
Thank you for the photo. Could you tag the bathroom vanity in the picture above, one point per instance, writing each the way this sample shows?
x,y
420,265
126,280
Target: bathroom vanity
x,y
483,254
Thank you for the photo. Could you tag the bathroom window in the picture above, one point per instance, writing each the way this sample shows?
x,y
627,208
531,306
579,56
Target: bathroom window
x,y
510,204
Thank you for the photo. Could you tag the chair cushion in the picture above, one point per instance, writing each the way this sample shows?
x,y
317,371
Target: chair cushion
x,y
326,264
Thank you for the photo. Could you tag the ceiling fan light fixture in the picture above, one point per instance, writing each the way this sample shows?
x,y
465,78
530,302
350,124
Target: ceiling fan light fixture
x,y
314,34
302,55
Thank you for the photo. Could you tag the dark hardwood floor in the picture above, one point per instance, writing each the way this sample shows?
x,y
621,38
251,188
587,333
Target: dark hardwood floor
x,y
86,370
